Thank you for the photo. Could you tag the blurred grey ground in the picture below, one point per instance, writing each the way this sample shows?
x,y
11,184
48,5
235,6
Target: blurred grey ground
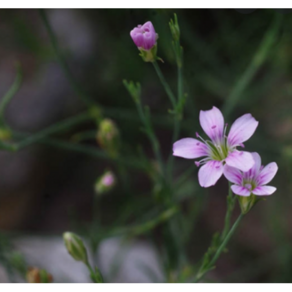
x,y
120,262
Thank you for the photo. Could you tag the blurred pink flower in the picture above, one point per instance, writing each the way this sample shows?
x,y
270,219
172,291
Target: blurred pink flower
x,y
221,150
108,179
144,36
253,181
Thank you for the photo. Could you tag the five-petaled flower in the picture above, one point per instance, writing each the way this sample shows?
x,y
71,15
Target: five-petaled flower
x,y
253,181
221,150
144,36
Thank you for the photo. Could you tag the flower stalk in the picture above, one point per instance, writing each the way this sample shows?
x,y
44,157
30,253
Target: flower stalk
x,y
209,266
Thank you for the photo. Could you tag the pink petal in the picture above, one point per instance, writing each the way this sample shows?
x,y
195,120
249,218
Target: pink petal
x,y
233,174
240,190
212,122
242,129
241,160
210,173
267,174
264,190
254,171
189,148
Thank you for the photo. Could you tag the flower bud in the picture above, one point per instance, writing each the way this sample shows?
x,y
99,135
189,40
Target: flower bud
x,y
144,37
174,28
246,203
108,137
75,247
35,275
105,183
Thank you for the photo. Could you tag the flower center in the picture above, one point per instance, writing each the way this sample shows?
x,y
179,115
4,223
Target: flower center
x,y
218,151
249,184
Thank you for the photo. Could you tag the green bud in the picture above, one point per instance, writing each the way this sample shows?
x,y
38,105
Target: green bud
x,y
134,90
174,28
246,203
75,247
108,137
105,183
149,55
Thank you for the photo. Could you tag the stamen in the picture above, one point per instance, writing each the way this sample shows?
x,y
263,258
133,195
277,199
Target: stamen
x,y
198,136
202,161
225,128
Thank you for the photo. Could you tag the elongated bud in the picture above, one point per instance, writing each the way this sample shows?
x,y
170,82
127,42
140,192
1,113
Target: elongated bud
x,y
174,29
105,183
134,90
35,275
108,137
145,37
246,203
75,247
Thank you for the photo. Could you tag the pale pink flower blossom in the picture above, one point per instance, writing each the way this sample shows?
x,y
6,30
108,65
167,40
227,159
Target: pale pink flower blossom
x,y
144,36
221,149
253,181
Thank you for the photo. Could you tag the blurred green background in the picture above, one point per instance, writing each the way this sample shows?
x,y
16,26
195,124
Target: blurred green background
x,y
239,61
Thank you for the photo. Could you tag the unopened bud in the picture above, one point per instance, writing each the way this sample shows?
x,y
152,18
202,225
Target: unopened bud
x,y
134,90
35,275
108,137
174,28
105,183
145,37
75,247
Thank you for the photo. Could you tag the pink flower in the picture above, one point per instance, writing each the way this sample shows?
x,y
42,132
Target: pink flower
x,y
221,150
108,179
253,181
144,36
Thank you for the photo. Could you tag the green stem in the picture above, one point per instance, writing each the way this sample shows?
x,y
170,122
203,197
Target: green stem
x,y
147,226
210,266
177,117
56,128
88,101
92,151
165,84
9,95
256,62
151,135
230,206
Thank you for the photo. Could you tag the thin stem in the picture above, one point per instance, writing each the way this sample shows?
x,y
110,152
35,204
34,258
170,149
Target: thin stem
x,y
9,95
165,84
151,135
177,114
88,101
210,266
92,274
230,206
92,151
258,59
56,128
